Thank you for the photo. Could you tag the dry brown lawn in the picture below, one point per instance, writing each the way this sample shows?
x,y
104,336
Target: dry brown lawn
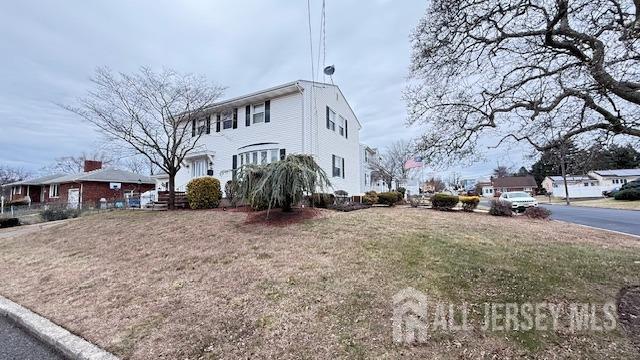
x,y
205,284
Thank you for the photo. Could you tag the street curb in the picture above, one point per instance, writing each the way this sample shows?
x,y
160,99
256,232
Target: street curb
x,y
70,345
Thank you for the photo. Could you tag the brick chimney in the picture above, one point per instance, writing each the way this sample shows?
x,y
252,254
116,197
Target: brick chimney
x,y
90,165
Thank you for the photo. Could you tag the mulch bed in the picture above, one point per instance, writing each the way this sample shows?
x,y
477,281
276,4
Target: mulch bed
x,y
278,218
629,313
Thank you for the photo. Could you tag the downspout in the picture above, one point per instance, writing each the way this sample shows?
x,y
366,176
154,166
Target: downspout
x,y
301,91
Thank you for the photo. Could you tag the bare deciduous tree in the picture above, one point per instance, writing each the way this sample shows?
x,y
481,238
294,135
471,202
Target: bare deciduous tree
x,y
501,171
389,165
514,69
156,114
10,174
75,164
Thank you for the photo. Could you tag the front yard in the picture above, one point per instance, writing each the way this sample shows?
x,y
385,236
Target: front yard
x,y
206,284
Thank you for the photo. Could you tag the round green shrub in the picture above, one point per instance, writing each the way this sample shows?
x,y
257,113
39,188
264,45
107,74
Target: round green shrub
x,y
389,198
370,197
442,201
469,203
204,193
628,194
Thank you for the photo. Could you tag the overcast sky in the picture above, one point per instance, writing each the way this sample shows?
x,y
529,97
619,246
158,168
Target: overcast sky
x,y
50,49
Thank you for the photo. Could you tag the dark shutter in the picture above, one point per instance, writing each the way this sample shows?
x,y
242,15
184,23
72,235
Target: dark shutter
x,y
234,166
247,115
267,111
343,168
217,122
283,154
235,118
333,165
208,124
346,128
328,127
193,127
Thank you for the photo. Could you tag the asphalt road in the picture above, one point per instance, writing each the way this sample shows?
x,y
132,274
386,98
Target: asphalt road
x,y
626,221
15,343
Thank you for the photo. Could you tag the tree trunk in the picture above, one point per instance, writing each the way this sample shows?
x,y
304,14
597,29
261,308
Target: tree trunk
x,y
286,207
172,191
563,169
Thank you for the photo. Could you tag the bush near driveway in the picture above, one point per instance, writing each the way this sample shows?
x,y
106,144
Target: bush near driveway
x,y
9,222
499,208
628,194
204,193
469,203
444,201
537,213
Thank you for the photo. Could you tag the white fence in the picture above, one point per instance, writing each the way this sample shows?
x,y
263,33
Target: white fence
x,y
581,191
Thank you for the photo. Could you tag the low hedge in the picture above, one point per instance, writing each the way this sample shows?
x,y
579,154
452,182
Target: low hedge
x,y
444,201
204,193
55,214
537,213
389,198
628,194
499,208
469,203
370,197
322,200
352,206
9,222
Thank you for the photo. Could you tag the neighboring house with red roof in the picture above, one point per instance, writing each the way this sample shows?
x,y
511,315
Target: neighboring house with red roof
x,y
82,189
514,183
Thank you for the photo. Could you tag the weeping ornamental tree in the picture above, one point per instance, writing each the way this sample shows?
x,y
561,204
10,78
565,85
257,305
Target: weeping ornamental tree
x,y
282,183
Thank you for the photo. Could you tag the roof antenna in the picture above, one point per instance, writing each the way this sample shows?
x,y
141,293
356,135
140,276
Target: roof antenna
x,y
329,70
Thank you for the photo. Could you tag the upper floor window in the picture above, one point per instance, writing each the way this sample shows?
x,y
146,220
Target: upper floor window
x,y
201,126
331,119
258,113
53,190
227,119
341,126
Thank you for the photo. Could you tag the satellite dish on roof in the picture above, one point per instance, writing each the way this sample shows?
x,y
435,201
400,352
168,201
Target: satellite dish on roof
x,y
329,70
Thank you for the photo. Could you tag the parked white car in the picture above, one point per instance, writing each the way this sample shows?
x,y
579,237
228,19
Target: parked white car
x,y
519,199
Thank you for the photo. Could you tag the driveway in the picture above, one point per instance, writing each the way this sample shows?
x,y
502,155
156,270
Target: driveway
x,y
626,221
15,343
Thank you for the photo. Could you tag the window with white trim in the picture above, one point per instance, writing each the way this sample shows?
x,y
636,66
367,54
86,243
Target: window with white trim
x,y
53,190
227,119
198,168
259,157
337,166
331,125
341,126
258,113
17,190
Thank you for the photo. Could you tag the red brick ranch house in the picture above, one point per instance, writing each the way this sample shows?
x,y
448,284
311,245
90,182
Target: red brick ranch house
x,y
83,189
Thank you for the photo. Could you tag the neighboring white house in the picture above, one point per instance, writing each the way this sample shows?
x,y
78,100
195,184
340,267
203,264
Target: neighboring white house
x,y
300,117
615,178
367,156
590,185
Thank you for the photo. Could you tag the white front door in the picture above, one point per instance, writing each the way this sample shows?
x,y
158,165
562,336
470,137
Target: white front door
x,y
74,198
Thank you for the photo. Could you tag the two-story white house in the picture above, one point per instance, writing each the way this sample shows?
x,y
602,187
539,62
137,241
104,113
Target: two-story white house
x,y
300,117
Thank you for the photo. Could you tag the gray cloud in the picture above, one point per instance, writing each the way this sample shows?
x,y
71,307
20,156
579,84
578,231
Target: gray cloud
x,y
51,49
